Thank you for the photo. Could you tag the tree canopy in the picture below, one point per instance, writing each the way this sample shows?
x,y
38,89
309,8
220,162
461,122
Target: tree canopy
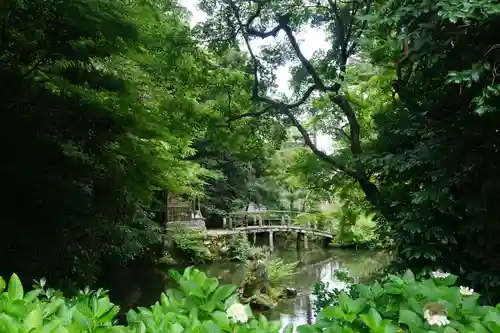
x,y
105,103
408,89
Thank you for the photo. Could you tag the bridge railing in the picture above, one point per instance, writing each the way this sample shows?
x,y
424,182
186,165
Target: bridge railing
x,y
246,219
269,218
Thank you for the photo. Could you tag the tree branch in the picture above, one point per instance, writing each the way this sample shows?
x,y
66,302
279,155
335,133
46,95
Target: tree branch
x,y
369,188
320,154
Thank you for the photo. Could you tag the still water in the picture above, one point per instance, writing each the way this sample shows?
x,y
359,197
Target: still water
x,y
143,287
313,266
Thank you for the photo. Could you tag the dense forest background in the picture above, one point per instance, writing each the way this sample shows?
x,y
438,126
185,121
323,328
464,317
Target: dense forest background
x,y
106,103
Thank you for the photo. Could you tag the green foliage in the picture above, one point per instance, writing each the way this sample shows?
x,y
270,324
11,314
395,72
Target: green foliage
x,y
91,131
325,295
239,247
415,117
432,140
189,244
198,304
106,103
279,272
405,303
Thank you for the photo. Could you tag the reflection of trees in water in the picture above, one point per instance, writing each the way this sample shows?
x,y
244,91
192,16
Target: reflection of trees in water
x,y
322,268
142,285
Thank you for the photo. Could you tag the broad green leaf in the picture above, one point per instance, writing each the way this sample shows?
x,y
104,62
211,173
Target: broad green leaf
x,y
409,277
52,307
15,290
263,321
51,327
221,319
2,284
447,281
113,329
8,324
219,296
32,295
176,328
410,318
34,319
372,319
332,312
274,326
387,327
307,329
288,328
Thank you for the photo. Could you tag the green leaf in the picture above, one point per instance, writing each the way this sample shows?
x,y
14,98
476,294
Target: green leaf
x,y
222,320
447,281
410,318
51,327
306,329
274,326
176,328
288,328
2,284
492,320
332,312
364,290
372,319
211,327
7,324
263,321
15,290
32,295
349,305
52,307
219,296
409,277
387,327
34,319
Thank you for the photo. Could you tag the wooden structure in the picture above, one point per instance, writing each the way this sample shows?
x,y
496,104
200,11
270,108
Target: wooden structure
x,y
180,213
270,222
177,210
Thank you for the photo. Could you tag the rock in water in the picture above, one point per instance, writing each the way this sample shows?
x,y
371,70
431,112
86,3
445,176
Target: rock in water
x,y
261,277
262,302
290,292
257,280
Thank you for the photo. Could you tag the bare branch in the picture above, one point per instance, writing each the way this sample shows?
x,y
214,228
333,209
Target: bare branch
x,y
251,114
248,25
319,153
354,128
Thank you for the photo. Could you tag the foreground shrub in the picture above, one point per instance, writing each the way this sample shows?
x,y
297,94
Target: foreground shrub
x,y
404,304
198,304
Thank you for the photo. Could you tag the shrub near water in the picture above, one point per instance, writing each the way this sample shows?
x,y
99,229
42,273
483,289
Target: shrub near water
x,y
198,304
404,304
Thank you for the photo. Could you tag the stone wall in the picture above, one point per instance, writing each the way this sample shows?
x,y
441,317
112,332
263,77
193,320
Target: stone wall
x,y
193,224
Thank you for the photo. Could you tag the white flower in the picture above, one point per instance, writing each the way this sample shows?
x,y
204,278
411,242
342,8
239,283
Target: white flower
x,y
466,291
435,319
237,312
439,274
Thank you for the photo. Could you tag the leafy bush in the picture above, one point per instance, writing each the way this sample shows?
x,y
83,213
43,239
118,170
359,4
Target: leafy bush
x,y
406,304
239,248
199,304
279,272
190,244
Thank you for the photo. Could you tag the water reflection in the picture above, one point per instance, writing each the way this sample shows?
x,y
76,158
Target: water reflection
x,y
313,266
136,288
